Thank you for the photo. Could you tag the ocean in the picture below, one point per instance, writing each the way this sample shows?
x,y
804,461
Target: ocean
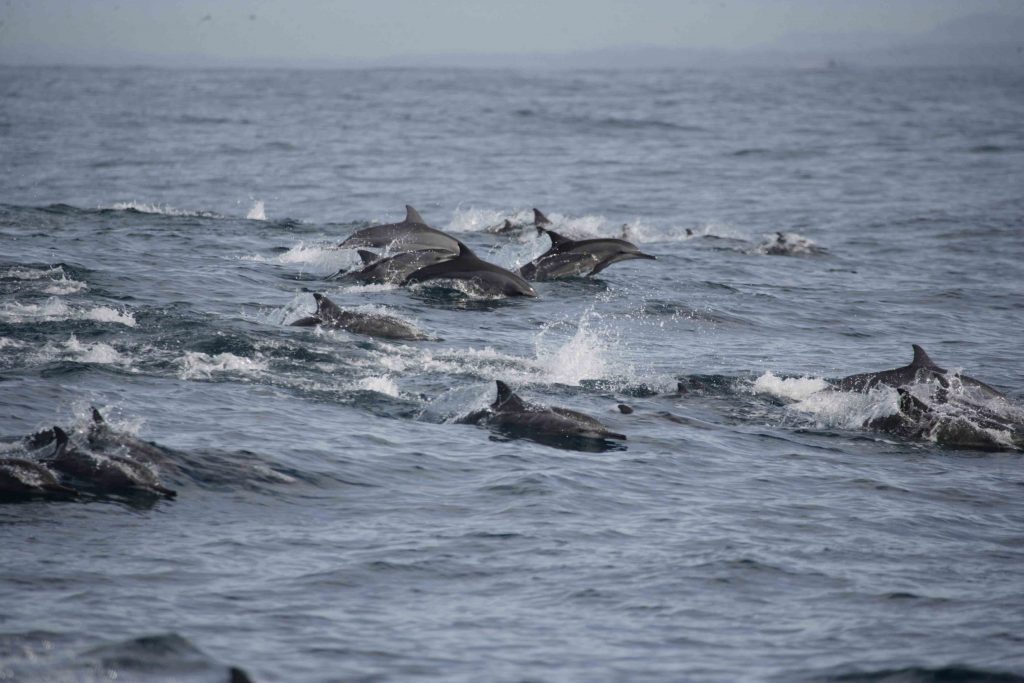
x,y
335,521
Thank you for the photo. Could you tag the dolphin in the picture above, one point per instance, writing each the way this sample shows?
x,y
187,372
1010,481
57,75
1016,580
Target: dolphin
x,y
516,417
329,314
467,266
921,369
412,234
22,479
104,473
568,257
392,269
963,427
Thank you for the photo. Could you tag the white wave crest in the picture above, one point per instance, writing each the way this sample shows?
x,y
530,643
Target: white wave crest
x,y
590,353
26,273
198,365
792,388
56,309
98,353
65,286
382,385
161,209
318,258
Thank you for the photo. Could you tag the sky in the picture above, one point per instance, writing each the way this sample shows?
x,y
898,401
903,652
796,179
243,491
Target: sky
x,y
285,32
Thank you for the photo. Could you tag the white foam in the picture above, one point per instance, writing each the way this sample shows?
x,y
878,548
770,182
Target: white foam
x,y
25,273
588,354
65,286
198,365
382,385
257,212
163,210
98,353
792,388
56,309
106,314
7,343
320,258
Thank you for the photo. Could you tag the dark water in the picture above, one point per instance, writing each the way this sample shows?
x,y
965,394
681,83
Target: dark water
x,y
158,228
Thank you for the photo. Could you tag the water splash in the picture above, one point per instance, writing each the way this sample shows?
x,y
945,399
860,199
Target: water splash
x,y
257,212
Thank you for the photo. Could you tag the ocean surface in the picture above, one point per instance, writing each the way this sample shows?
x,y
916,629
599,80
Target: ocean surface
x,y
159,229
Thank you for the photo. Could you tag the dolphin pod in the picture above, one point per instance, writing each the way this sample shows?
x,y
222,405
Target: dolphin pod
x,y
113,464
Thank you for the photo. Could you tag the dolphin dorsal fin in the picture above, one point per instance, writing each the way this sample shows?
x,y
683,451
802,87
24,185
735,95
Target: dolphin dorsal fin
x,y
508,225
464,251
413,216
921,359
96,417
556,239
539,218
367,257
505,393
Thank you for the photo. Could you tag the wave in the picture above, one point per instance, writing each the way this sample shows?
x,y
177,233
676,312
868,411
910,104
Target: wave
x,y
199,365
161,209
56,309
321,258
98,353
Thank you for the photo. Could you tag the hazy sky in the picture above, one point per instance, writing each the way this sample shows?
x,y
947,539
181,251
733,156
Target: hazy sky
x,y
279,31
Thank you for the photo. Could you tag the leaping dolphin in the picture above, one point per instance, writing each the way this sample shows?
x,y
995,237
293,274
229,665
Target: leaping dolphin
x,y
517,418
412,234
392,269
330,314
921,369
568,257
468,267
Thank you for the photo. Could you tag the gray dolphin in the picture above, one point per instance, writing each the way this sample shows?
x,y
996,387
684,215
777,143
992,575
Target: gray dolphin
x,y
104,473
330,314
23,479
516,417
568,257
468,267
964,427
921,369
412,234
392,269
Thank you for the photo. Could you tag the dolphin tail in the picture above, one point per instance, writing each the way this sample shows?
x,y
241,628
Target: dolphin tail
x,y
619,257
